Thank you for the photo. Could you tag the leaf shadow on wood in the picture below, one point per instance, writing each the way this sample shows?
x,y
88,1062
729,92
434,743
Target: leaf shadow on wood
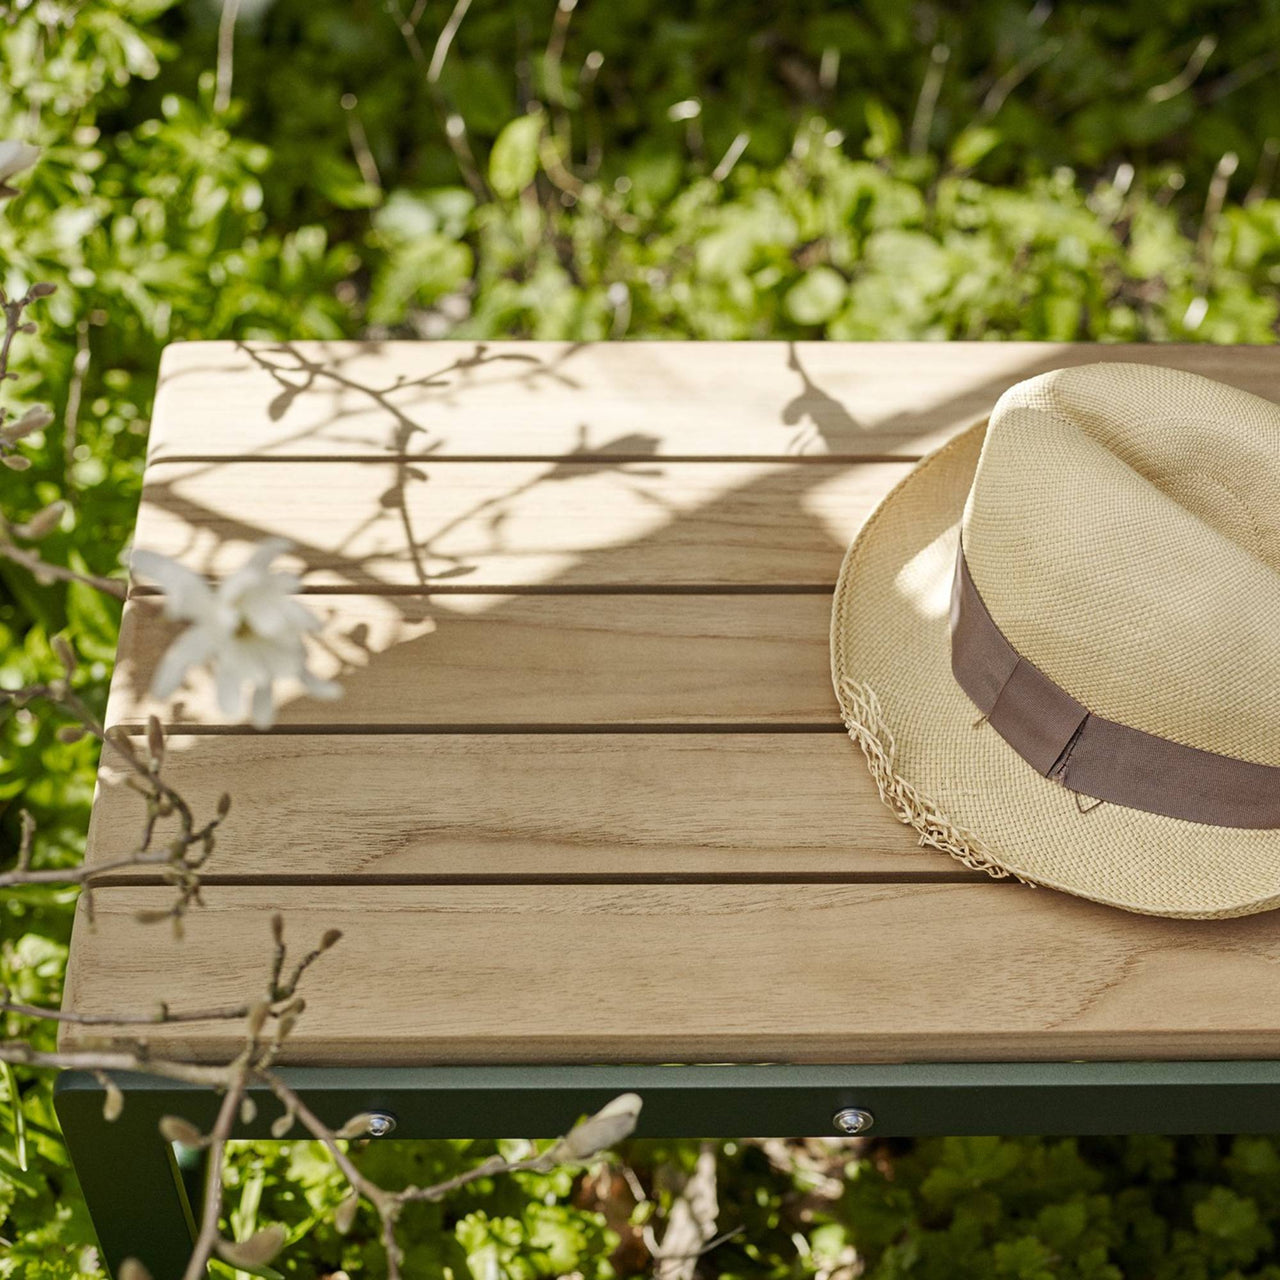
x,y
444,613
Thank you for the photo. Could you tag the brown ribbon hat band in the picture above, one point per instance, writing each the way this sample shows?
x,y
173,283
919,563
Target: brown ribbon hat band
x,y
1109,545
1061,739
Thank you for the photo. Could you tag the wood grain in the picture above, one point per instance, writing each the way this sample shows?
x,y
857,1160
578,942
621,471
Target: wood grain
x,y
507,660
677,399
527,806
795,973
486,812
491,525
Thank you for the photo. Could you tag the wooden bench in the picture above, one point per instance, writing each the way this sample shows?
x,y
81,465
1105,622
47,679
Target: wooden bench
x,y
586,806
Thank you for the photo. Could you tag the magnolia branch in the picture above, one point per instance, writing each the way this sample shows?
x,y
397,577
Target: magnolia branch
x,y
14,430
593,1136
270,1019
269,1022
184,853
43,571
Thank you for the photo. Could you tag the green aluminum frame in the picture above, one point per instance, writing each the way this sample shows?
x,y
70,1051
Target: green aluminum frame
x,y
140,1199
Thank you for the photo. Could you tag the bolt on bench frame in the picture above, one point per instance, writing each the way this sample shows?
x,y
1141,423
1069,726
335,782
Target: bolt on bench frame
x,y
149,1214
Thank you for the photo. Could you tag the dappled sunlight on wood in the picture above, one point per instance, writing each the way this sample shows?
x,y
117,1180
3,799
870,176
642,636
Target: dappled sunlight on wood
x,y
498,524
516,659
539,399
601,503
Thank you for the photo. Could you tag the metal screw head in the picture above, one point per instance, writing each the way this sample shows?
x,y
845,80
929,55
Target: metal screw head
x,y
380,1124
853,1120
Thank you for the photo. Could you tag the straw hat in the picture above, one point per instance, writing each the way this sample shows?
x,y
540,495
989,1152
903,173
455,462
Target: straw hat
x,y
1057,642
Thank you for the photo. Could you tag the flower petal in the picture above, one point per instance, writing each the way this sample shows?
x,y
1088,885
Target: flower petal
x,y
319,688
300,617
263,658
190,649
264,709
187,595
270,614
255,570
230,681
265,552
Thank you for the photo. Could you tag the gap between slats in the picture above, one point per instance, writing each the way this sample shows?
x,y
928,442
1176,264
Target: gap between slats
x,y
587,457
123,879
545,589
548,727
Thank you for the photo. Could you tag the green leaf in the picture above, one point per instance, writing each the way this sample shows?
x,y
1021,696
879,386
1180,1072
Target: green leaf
x,y
816,296
1225,1214
93,615
972,145
884,133
513,162
418,272
16,1116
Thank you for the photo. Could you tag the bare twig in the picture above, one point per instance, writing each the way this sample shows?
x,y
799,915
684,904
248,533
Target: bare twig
x,y
186,852
26,840
447,32
43,571
79,368
360,148
226,55
14,324
207,1238
1265,175
455,127
1008,81
587,77
389,1204
927,103
1188,75
33,420
553,75
22,1054
730,157
1213,203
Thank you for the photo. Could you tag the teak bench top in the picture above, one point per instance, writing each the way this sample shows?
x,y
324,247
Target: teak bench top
x,y
587,798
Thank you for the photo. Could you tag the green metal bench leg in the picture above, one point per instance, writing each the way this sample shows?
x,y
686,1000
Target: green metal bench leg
x,y
132,1185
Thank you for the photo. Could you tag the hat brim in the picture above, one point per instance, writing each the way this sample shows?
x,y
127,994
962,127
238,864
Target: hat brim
x,y
953,778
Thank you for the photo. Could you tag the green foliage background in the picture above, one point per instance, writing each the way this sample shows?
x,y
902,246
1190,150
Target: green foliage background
x,y
980,170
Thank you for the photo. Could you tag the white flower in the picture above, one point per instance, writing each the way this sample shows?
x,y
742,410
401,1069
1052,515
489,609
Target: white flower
x,y
14,157
248,629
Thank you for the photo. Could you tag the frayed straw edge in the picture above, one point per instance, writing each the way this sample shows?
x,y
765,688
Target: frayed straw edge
x,y
860,710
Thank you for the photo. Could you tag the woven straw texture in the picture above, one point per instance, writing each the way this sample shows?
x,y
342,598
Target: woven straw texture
x,y
1122,524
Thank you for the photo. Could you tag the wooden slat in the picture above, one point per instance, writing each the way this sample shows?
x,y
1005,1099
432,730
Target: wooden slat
x,y
527,806
682,399
408,661
499,524
801,973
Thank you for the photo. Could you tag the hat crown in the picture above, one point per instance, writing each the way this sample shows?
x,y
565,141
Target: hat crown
x,y
1123,530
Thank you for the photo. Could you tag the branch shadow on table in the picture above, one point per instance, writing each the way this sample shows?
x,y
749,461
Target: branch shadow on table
x,y
434,574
